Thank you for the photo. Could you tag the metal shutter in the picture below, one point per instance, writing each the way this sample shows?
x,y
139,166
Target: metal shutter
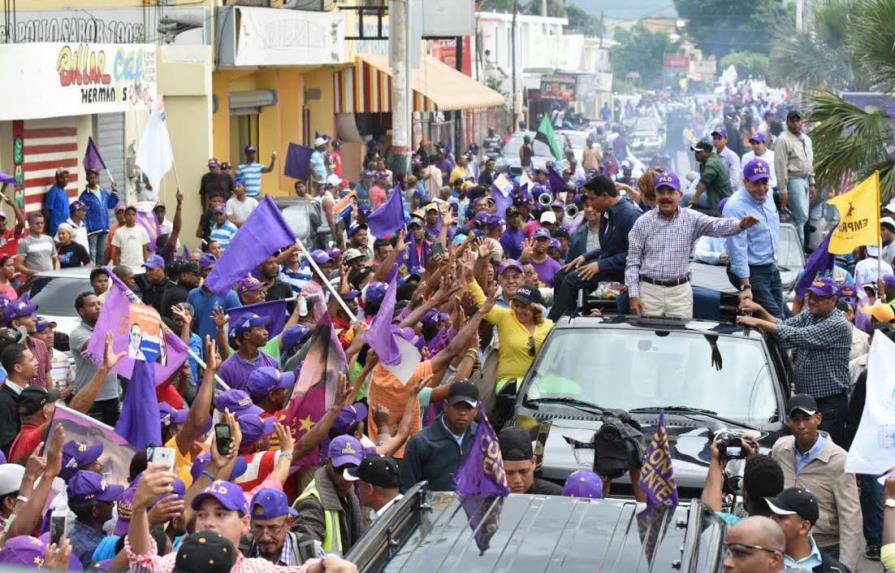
x,y
108,129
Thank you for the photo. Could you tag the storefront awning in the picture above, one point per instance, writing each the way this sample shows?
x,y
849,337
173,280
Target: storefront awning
x,y
367,88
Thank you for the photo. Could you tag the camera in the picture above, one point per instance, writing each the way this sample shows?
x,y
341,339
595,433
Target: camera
x,y
732,447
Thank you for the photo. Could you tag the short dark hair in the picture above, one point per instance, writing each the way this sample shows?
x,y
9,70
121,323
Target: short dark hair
x,y
762,477
79,300
601,185
98,271
379,243
12,355
34,217
130,208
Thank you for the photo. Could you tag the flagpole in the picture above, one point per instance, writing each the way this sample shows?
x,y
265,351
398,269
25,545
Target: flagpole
x,y
324,280
879,243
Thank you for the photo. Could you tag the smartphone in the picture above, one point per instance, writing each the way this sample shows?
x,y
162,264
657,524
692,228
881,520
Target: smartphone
x,y
58,525
222,438
160,456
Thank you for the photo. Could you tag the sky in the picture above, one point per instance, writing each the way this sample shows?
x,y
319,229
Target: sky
x,y
627,9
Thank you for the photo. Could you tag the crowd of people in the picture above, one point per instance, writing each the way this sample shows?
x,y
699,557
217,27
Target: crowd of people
x,y
480,267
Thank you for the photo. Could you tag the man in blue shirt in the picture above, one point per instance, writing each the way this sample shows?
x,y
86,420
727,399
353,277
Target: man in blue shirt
x,y
98,202
318,163
753,267
251,171
205,301
56,203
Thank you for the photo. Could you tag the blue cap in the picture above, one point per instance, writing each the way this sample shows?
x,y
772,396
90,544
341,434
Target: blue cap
x,y
345,450
583,483
239,181
494,221
824,287
254,427
236,402
250,149
270,503
756,170
668,179
355,227
351,295
541,233
248,322
266,379
154,262
228,494
43,324
293,335
90,487
78,455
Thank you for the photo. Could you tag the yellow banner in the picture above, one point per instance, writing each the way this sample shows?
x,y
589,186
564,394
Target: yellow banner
x,y
858,217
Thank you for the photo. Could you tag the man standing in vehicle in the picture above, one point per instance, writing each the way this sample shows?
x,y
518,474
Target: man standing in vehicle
x,y
713,178
519,462
794,164
525,152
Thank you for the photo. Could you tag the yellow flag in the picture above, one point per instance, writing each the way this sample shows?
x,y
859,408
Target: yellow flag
x,y
858,217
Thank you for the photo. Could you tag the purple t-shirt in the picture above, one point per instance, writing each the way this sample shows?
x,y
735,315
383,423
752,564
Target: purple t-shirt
x,y
546,270
235,371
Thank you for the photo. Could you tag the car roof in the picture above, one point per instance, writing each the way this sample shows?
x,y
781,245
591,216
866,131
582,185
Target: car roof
x,y
73,272
631,322
537,533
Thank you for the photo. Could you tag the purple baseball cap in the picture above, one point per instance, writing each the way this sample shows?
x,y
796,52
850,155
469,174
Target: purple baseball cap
x,y
292,336
554,244
355,227
204,459
250,149
494,221
78,455
220,209
23,551
509,264
541,233
20,308
720,131
847,292
125,507
668,179
266,379
348,418
237,402
206,260
89,487
320,257
345,450
270,503
583,483
254,427
375,292
228,494
824,287
248,322
756,170
154,262
249,284
213,162
758,138
77,206
170,415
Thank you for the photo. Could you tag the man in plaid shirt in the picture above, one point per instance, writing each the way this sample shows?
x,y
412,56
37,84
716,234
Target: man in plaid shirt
x,y
659,245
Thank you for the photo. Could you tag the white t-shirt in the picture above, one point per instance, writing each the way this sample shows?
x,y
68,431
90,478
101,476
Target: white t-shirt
x,y
131,241
867,271
241,209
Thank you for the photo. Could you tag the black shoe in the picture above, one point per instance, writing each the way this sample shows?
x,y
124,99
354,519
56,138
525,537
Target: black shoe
x,y
872,552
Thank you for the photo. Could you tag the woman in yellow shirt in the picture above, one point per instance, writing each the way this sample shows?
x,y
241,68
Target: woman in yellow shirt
x,y
521,330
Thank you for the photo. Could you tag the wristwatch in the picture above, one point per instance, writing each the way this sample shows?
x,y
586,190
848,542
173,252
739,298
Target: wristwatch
x,y
745,287
890,502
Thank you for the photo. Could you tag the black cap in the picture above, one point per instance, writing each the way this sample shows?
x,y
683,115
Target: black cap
x,y
189,267
793,113
702,146
33,398
463,391
381,471
515,445
528,294
802,402
205,552
560,233
795,501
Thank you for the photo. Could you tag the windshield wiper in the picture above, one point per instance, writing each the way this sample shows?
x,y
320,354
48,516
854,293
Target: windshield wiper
x,y
693,411
566,401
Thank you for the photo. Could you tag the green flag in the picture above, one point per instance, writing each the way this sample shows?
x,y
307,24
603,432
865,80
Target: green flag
x,y
546,136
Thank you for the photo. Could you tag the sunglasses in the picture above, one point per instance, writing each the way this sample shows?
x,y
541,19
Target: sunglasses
x,y
531,345
744,550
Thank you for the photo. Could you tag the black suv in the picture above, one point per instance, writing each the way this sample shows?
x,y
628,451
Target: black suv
x,y
708,377
534,533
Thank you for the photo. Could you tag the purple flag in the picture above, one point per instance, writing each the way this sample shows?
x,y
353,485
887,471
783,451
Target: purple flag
x,y
186,253
862,313
389,217
92,158
115,317
298,161
821,260
274,309
657,475
139,420
264,232
146,219
7,178
482,472
380,335
483,516
502,191
554,178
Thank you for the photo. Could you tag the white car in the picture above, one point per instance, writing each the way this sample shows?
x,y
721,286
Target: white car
x,y
54,292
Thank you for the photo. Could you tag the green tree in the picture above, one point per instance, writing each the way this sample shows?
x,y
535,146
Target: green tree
x,y
582,21
747,64
640,55
720,27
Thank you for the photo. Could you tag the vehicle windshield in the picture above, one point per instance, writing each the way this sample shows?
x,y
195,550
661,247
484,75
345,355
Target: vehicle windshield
x,y
56,295
573,140
662,369
789,251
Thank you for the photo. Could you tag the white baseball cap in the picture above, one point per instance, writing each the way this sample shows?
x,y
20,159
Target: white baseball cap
x,y
548,217
11,476
319,141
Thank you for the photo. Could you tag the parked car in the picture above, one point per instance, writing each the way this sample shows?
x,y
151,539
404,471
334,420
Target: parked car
x,y
709,377
54,292
646,136
523,533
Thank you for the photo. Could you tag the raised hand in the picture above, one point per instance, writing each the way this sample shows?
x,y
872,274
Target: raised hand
x,y
220,317
212,358
165,510
284,438
157,480
110,357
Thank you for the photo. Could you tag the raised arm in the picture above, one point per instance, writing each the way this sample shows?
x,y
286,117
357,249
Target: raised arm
x,y
83,400
201,406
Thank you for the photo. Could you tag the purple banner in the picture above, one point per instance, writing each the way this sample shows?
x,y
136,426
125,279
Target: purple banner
x,y
298,161
657,475
483,473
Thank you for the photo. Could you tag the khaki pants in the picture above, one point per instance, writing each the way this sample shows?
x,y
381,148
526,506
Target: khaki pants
x,y
671,302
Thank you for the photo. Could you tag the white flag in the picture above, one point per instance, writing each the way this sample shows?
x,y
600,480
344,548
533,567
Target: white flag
x,y
873,449
155,156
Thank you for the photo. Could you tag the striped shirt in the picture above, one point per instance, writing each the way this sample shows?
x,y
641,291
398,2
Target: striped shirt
x,y
250,173
223,234
296,279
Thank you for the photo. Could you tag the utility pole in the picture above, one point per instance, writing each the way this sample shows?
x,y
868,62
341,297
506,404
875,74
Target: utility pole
x,y
513,56
399,49
458,115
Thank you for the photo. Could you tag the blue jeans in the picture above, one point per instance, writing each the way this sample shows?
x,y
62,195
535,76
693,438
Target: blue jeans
x,y
767,290
872,508
797,188
97,243
835,411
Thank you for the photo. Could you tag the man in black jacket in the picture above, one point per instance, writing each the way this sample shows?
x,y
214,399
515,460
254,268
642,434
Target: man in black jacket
x,y
519,462
20,366
606,263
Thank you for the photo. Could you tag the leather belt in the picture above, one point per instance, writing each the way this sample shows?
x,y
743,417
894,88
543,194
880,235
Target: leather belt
x,y
667,282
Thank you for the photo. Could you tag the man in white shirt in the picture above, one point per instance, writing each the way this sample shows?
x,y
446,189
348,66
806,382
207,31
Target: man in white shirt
x,y
728,157
760,149
378,483
130,244
240,206
76,222
869,269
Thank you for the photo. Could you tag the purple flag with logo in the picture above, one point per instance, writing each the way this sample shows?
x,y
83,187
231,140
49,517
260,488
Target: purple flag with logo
x,y
92,159
380,335
821,260
502,191
264,233
657,475
483,516
389,217
482,473
139,420
115,317
274,309
298,161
